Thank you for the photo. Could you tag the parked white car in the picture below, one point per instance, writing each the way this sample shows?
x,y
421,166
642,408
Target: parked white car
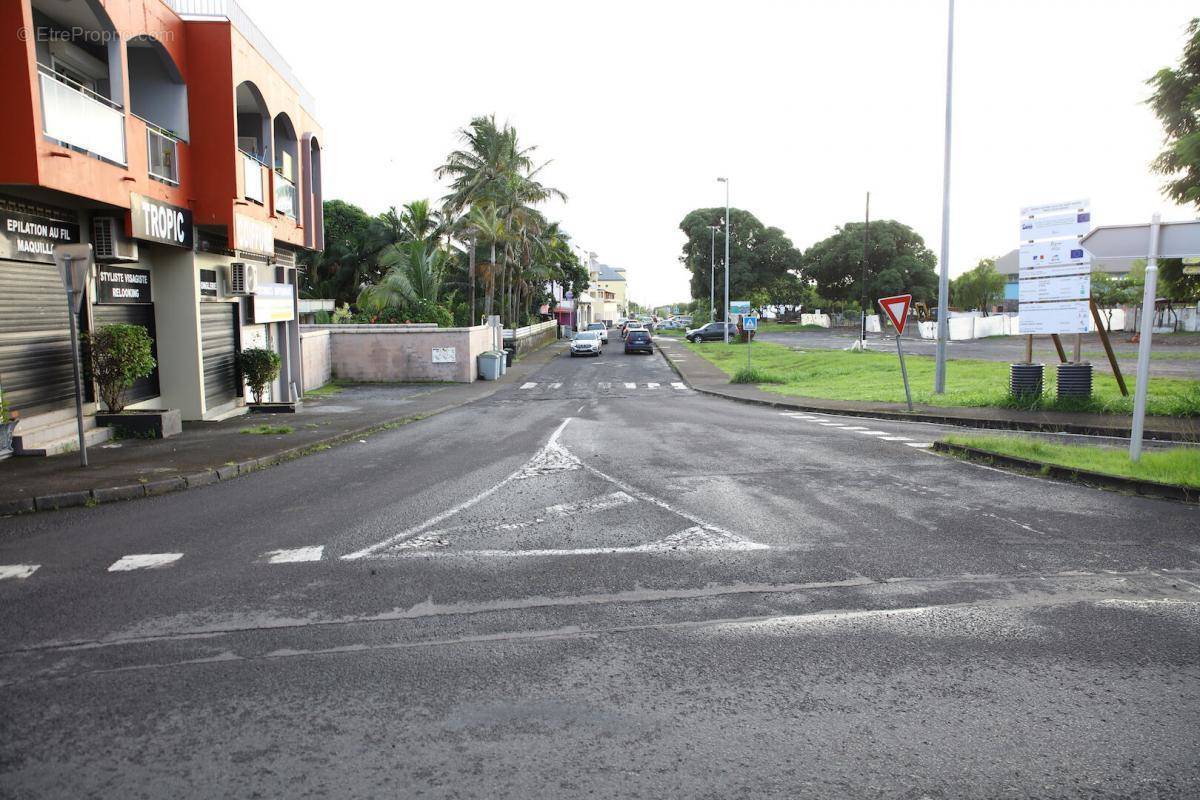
x,y
586,343
601,328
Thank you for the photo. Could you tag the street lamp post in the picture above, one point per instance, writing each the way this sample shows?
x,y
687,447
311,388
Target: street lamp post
x,y
712,273
728,226
943,321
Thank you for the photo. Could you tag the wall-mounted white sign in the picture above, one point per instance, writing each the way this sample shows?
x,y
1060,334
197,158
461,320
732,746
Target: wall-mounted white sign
x,y
445,355
253,236
273,303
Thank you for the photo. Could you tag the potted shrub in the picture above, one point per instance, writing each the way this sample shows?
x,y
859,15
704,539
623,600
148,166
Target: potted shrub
x,y
260,367
8,421
117,356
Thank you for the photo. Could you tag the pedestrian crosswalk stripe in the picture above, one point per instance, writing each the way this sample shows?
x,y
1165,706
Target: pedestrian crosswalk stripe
x,y
651,385
529,385
678,385
144,561
832,424
895,439
295,555
17,570
855,428
630,385
872,433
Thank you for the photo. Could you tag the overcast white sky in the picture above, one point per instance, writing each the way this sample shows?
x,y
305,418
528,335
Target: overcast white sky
x,y
806,106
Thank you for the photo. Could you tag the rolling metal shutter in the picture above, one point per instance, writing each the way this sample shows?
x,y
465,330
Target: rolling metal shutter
x,y
35,337
218,337
143,388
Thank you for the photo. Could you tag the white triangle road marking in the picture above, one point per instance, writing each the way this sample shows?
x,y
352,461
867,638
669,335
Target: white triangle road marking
x,y
677,385
556,386
651,385
605,386
529,385
872,433
17,571
895,439
630,385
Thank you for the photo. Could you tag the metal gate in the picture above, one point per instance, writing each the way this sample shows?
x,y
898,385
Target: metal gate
x,y
218,338
35,338
141,314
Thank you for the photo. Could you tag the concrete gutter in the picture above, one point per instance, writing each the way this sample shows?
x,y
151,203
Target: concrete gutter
x,y
1085,477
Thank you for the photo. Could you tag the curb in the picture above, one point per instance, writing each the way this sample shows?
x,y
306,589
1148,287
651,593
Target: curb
x,y
938,419
1096,480
226,472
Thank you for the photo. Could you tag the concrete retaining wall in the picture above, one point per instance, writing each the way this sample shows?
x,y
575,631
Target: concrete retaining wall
x,y
392,353
315,350
532,337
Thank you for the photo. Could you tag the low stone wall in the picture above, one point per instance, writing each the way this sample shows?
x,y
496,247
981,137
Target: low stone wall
x,y
315,352
393,353
533,337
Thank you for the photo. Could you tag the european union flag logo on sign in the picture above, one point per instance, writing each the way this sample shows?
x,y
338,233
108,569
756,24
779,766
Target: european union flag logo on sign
x,y
1077,253
1085,217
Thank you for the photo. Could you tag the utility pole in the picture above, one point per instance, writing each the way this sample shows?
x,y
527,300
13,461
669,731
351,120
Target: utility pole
x,y
712,273
943,327
862,335
728,227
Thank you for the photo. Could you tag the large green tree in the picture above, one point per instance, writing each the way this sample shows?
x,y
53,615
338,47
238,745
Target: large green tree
x,y
897,262
347,263
1176,103
978,289
758,255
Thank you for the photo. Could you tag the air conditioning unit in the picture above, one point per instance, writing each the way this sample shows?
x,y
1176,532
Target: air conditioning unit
x,y
243,278
109,242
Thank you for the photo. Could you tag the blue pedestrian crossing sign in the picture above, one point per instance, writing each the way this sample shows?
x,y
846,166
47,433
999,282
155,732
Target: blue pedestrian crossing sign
x,y
749,323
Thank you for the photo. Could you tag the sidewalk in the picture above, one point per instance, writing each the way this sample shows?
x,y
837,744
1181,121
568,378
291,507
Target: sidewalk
x,y
703,376
207,452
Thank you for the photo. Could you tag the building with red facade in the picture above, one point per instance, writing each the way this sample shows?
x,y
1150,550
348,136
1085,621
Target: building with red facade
x,y
172,136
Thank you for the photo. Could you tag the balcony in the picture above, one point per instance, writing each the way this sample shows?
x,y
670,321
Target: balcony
x,y
162,150
80,118
253,176
285,196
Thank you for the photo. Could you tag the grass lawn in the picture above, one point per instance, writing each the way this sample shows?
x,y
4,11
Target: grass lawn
x,y
767,326
1178,465
678,334
843,375
335,386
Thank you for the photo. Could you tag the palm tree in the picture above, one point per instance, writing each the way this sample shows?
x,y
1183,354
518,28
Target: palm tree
x,y
483,222
414,278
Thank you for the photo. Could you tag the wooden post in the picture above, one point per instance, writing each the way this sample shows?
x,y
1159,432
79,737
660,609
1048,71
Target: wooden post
x,y
1062,354
1112,357
1029,349
1078,348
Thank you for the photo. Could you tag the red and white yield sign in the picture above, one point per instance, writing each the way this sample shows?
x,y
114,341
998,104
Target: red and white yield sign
x,y
897,309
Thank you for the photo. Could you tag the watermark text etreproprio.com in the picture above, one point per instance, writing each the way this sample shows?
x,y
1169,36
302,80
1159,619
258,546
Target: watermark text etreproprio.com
x,y
79,34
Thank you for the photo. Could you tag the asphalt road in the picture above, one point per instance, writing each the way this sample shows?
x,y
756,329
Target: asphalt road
x,y
600,584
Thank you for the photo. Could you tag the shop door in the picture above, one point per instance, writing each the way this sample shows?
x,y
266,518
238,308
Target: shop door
x,y
35,338
218,338
143,388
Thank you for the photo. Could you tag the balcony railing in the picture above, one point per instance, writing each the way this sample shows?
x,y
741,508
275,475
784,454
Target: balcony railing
x,y
162,150
252,177
285,196
80,118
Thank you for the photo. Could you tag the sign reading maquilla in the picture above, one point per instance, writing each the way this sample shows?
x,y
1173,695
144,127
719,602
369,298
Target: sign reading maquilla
x,y
273,303
24,237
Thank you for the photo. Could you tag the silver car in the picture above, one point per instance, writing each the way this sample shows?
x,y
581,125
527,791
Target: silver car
x,y
586,343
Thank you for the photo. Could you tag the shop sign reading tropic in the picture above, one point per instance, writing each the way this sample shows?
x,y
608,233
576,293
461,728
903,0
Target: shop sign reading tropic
x,y
156,221
24,237
122,285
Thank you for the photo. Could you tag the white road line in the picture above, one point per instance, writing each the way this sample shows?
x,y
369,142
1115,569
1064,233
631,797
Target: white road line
x,y
895,439
529,385
295,555
832,424
651,385
924,445
630,385
872,433
144,561
17,570
556,386
854,428
677,385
